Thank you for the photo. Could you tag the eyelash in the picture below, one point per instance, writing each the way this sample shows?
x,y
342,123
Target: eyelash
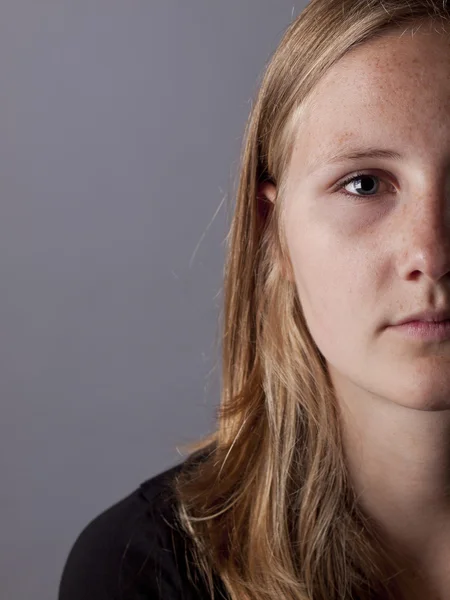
x,y
352,178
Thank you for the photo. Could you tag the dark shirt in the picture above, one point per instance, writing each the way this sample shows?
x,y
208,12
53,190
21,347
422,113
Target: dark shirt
x,y
135,551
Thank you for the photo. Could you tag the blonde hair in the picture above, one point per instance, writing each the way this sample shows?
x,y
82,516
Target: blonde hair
x,y
270,509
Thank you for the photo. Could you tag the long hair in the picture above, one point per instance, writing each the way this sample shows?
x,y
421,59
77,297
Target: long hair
x,y
270,508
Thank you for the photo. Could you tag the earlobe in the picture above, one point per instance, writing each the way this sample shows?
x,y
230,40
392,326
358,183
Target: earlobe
x,y
266,195
267,191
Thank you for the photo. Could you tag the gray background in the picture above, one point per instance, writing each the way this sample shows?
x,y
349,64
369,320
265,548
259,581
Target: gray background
x,y
120,129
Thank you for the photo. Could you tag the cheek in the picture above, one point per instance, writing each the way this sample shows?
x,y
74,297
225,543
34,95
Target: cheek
x,y
330,292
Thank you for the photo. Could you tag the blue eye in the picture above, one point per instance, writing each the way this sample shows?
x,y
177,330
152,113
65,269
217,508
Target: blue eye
x,y
366,184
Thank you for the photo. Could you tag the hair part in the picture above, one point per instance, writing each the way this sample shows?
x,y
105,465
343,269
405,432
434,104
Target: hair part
x,y
270,508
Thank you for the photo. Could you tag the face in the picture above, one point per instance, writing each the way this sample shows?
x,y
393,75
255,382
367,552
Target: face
x,y
364,261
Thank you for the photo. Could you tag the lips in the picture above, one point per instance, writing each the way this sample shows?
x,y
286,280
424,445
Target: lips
x,y
430,316
425,331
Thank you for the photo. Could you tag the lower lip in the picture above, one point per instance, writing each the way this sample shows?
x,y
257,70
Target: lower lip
x,y
426,330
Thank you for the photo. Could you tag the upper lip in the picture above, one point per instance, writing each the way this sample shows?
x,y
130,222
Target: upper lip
x,y
427,315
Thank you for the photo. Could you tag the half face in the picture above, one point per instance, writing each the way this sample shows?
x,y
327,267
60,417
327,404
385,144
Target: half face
x,y
377,249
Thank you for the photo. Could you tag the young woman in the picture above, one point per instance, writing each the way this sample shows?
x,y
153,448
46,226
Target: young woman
x,y
329,474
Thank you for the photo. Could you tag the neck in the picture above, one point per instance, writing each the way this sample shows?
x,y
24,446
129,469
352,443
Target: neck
x,y
399,463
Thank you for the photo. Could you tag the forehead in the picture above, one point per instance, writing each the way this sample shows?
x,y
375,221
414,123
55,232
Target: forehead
x,y
394,90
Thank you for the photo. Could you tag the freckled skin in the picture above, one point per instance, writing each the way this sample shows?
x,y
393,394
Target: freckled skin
x,y
358,267
362,263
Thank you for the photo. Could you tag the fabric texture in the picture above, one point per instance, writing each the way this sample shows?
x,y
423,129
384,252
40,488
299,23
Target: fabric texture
x,y
135,550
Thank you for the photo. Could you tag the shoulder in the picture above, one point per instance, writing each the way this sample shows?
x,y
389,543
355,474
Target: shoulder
x,y
132,550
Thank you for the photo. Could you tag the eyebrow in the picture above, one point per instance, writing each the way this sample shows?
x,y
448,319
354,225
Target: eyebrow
x,y
354,154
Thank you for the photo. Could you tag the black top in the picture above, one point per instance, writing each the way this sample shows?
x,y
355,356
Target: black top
x,y
135,551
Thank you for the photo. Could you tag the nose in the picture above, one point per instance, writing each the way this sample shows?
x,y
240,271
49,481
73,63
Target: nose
x,y
425,235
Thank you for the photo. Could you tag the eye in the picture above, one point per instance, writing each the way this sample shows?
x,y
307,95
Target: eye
x,y
365,185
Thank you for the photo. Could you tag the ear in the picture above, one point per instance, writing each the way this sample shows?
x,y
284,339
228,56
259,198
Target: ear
x,y
265,197
267,191
266,194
